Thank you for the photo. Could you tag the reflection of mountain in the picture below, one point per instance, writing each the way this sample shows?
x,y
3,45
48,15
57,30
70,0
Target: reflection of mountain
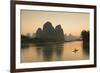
x,y
49,33
49,49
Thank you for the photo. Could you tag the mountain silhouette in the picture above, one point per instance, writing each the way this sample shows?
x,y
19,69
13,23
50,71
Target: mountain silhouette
x,y
49,33
59,33
39,33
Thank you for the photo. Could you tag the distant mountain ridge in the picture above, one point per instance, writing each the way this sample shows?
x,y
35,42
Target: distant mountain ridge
x,y
51,34
71,37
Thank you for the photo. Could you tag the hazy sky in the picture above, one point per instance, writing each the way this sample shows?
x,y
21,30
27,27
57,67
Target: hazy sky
x,y
72,23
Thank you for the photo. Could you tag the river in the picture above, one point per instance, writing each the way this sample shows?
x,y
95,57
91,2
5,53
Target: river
x,y
42,52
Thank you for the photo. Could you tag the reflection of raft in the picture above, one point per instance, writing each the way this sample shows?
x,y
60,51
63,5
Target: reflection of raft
x,y
75,50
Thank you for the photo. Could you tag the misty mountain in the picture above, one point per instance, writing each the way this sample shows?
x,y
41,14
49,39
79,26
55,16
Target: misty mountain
x,y
71,37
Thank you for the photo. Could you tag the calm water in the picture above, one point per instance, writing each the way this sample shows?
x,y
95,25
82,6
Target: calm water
x,y
75,50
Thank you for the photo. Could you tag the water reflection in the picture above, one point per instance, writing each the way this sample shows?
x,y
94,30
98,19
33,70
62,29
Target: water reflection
x,y
40,52
23,46
86,48
47,50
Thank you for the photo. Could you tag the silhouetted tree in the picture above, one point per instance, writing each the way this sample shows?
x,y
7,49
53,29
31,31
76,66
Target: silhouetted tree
x,y
26,39
85,36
